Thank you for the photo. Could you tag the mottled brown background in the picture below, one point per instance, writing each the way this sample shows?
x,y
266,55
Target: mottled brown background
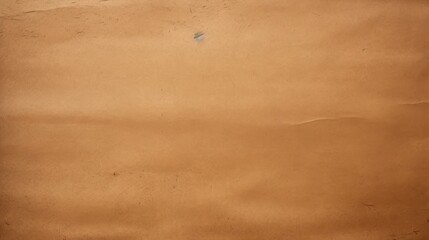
x,y
293,119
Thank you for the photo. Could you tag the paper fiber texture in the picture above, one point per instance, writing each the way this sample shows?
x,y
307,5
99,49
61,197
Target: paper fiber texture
x,y
214,120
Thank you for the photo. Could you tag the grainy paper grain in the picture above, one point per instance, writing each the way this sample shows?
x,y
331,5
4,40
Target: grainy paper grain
x,y
214,120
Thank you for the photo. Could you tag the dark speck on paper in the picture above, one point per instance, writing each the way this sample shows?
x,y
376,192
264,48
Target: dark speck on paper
x,y
199,36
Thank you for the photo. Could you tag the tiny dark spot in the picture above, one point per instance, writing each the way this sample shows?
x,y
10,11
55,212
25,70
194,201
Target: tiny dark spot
x,y
368,205
7,223
199,36
115,174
